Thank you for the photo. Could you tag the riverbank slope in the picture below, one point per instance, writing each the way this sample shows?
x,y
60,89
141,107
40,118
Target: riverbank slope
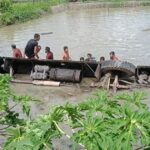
x,y
96,4
12,13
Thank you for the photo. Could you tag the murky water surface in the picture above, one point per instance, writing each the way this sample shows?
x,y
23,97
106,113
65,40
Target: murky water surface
x,y
124,30
50,96
98,31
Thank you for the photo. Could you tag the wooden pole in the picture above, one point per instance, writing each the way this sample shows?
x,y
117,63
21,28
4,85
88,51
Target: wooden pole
x,y
37,82
11,71
115,84
98,72
108,85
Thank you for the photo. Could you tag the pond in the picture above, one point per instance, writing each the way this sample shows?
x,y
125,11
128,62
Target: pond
x,y
98,31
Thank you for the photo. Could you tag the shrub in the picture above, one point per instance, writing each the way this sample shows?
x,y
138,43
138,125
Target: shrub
x,y
28,11
7,18
5,5
21,12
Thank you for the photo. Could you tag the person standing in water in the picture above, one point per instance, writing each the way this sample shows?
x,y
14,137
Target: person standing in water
x,y
16,51
102,59
113,56
90,58
32,46
66,55
49,54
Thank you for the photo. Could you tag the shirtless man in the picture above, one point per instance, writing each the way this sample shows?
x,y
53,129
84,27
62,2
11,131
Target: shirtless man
x,y
66,55
113,56
16,52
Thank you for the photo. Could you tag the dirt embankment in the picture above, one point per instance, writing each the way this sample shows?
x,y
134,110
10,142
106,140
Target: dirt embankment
x,y
93,5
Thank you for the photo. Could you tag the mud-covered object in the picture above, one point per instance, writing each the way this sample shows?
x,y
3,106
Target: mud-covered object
x,y
2,66
39,75
40,68
143,78
148,79
65,75
121,68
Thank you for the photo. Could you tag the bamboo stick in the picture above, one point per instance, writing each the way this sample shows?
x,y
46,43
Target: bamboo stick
x,y
36,82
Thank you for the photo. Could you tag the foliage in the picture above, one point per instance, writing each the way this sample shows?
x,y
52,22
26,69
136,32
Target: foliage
x,y
27,11
37,134
5,5
8,101
100,123
21,12
7,18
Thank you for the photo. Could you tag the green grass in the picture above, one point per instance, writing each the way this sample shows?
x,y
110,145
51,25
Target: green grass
x,y
115,1
11,13
21,12
26,11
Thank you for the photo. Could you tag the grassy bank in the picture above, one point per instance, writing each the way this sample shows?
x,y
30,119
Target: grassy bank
x,y
11,13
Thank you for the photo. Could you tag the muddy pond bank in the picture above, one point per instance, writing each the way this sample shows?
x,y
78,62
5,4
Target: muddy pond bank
x,y
73,93
50,96
94,5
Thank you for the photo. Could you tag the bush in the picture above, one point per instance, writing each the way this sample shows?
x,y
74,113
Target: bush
x,y
5,5
29,11
7,18
21,12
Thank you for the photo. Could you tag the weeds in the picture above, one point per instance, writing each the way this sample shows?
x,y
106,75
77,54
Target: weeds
x,y
9,117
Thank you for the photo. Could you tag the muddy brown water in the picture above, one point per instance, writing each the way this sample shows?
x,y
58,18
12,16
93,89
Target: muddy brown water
x,y
124,30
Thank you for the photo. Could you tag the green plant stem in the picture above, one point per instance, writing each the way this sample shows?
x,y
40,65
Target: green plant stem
x,y
142,147
62,132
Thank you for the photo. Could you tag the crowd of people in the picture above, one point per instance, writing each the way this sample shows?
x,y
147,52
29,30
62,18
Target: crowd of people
x,y
32,50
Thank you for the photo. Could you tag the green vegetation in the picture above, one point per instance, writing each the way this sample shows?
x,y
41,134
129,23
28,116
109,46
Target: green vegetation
x,y
8,101
115,1
11,13
121,122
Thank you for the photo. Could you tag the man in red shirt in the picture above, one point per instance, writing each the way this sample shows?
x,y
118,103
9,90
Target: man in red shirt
x,y
113,56
16,52
49,54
